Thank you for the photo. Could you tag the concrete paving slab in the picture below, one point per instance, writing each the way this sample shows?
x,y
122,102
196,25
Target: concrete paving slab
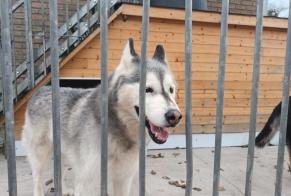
x,y
170,167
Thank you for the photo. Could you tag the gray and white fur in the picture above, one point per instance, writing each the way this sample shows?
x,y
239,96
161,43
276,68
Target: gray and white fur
x,y
80,125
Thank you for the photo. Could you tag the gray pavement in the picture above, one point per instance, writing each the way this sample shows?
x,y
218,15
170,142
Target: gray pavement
x,y
166,172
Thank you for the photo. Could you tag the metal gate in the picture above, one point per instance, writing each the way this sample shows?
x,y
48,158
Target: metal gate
x,y
7,56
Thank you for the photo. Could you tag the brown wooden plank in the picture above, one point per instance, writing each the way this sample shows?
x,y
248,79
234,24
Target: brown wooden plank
x,y
179,66
228,120
231,102
177,27
209,17
197,58
231,85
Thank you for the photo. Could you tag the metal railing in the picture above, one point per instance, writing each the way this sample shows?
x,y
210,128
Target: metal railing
x,y
8,98
188,95
7,73
104,99
142,161
220,95
254,101
284,110
71,33
55,97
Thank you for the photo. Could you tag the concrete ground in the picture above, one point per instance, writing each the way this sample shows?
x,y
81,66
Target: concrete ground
x,y
166,172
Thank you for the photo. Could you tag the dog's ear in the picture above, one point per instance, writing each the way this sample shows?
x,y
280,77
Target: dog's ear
x,y
129,55
160,54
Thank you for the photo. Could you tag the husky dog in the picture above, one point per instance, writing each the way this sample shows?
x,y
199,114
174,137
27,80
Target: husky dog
x,y
272,127
80,124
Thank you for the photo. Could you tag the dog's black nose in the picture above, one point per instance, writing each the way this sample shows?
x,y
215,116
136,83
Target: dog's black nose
x,y
173,117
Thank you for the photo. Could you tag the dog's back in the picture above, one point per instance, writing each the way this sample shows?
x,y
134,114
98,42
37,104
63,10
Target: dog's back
x,y
38,115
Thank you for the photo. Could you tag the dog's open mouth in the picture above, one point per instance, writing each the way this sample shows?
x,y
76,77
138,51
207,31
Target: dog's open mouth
x,y
158,134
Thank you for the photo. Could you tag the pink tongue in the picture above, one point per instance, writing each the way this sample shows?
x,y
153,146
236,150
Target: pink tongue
x,y
159,132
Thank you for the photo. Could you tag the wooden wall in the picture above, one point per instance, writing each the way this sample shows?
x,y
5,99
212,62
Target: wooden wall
x,y
239,67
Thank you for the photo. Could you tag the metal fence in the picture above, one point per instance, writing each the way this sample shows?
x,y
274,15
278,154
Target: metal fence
x,y
8,88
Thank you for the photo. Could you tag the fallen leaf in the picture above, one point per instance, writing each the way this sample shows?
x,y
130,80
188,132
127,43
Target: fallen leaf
x,y
178,184
155,156
175,154
197,189
166,178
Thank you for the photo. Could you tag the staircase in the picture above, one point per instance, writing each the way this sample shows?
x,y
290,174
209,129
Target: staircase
x,y
71,34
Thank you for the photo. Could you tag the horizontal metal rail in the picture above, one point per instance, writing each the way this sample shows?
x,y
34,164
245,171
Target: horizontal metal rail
x,y
71,23
70,41
61,32
63,48
17,5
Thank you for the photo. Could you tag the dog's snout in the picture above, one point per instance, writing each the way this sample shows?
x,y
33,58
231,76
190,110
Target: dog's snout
x,y
173,117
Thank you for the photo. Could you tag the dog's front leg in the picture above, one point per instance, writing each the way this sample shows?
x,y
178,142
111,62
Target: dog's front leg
x,y
134,189
121,186
121,176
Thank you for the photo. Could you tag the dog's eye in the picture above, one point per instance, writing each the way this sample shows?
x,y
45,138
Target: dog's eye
x,y
149,90
171,90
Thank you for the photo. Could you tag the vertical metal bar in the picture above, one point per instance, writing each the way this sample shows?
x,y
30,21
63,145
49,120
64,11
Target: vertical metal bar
x,y
142,161
188,94
43,34
220,95
88,16
67,25
284,111
29,46
78,19
104,97
2,78
255,84
8,96
55,96
13,50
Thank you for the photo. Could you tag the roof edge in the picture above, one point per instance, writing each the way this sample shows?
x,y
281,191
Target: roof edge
x,y
204,16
